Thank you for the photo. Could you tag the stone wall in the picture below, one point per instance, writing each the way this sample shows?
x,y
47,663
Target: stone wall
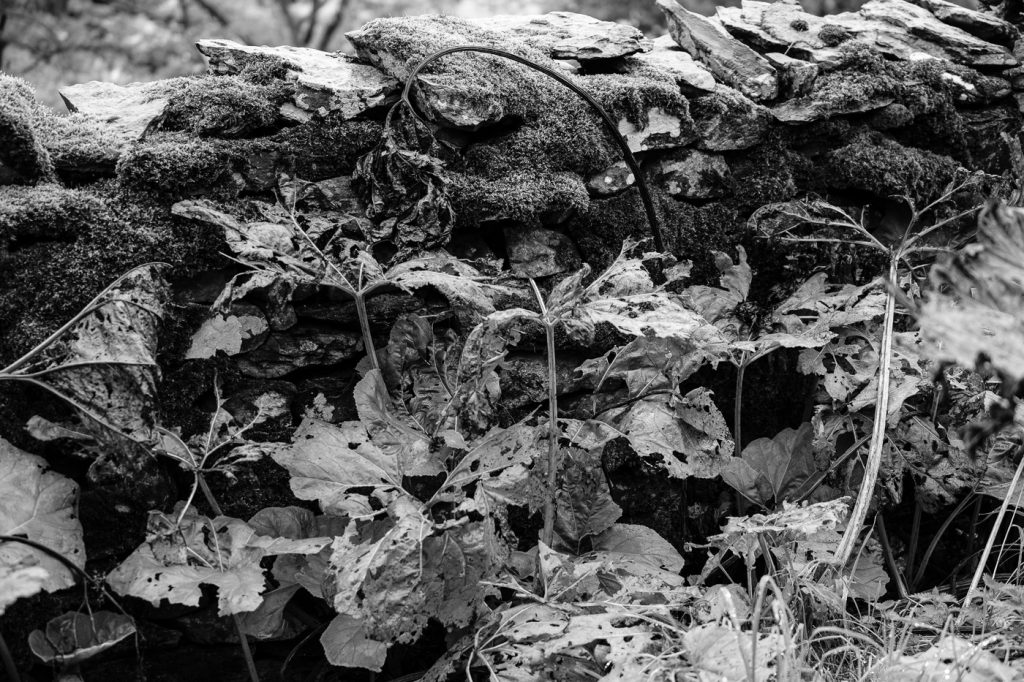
x,y
760,104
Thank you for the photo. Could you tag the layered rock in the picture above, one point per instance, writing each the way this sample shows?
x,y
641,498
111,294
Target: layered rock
x,y
761,103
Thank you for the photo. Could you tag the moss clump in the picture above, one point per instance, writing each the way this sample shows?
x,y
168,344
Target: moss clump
x,y
45,213
173,166
264,69
82,149
222,106
833,35
761,175
798,25
877,164
524,197
397,44
43,282
321,149
22,158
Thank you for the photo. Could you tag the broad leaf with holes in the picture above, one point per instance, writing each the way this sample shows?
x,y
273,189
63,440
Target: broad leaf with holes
x,y
177,559
42,506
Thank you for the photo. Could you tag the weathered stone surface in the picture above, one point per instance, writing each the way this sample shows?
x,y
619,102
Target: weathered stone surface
x,y
729,60
324,81
299,347
668,58
567,35
817,108
539,252
693,174
919,22
796,75
130,111
454,106
980,24
613,180
894,28
664,130
726,120
779,27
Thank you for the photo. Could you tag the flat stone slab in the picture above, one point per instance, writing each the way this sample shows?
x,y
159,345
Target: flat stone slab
x,y
129,111
668,58
567,35
894,28
325,82
919,22
727,58
979,24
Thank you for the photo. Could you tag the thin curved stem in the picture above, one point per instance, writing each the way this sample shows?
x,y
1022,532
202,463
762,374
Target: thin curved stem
x,y
620,141
867,490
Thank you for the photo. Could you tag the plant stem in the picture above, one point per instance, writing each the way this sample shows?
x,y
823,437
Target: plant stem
x,y
549,501
980,570
548,532
867,489
364,325
737,410
250,662
9,667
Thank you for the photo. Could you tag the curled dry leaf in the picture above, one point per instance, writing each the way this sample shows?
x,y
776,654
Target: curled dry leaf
x,y
73,638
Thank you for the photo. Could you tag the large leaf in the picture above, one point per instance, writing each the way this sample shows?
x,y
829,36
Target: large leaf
x,y
726,654
693,427
790,523
718,304
979,308
951,658
393,433
346,644
105,365
471,294
774,468
638,542
583,506
20,581
305,570
42,506
178,558
395,574
340,467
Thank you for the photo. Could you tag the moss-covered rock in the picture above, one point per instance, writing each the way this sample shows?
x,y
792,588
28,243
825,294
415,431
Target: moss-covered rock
x,y
523,197
877,164
45,213
23,159
223,106
69,244
174,165
81,148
